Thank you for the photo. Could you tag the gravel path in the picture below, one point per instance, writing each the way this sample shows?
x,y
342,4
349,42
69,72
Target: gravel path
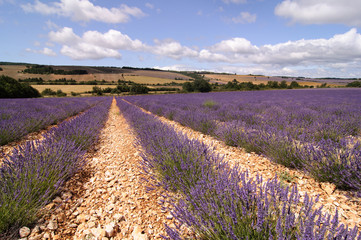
x,y
108,200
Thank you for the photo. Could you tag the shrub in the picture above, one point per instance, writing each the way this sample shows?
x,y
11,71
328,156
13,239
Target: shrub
x,y
48,92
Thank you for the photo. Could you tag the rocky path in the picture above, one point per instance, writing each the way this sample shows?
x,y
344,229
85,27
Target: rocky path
x,y
108,200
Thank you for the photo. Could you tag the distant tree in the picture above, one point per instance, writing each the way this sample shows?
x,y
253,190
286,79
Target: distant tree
x,y
10,88
283,84
272,84
354,84
294,84
97,91
201,85
60,93
188,87
48,92
323,85
138,89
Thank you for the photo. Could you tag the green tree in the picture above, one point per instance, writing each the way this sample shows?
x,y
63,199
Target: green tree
x,y
294,84
188,87
97,91
283,84
354,84
48,92
10,88
138,89
60,93
202,85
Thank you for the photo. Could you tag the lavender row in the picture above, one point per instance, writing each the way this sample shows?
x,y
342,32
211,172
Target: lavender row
x,y
314,130
19,117
33,173
221,202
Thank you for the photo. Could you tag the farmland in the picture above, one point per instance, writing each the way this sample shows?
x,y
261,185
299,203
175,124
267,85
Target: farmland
x,y
213,157
138,76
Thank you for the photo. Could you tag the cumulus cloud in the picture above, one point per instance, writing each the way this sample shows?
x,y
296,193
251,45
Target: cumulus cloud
x,y
321,11
340,48
177,67
97,45
340,52
93,44
84,11
244,17
172,49
234,45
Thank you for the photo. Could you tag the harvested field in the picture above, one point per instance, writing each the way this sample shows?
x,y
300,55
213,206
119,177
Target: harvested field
x,y
138,76
71,88
224,78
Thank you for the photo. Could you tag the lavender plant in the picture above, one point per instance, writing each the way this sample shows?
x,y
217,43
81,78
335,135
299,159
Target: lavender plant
x,y
283,125
31,176
221,202
33,173
19,117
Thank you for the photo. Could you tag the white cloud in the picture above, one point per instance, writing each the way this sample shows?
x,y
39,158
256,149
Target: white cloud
x,y
172,49
89,51
340,48
339,53
234,45
97,45
177,67
244,17
45,51
84,11
234,1
321,11
93,44
64,36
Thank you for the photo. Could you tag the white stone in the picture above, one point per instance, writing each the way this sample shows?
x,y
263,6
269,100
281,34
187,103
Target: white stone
x,y
138,234
24,232
53,225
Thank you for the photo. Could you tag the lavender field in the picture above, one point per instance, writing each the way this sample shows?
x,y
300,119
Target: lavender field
x,y
317,131
19,117
33,173
215,200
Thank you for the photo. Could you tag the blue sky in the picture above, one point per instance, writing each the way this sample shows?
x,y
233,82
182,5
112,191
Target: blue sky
x,y
311,38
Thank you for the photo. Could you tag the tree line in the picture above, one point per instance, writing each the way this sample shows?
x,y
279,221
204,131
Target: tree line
x,y
44,69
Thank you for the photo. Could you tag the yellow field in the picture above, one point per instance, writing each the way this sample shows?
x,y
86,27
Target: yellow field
x,y
151,80
224,78
70,88
158,78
